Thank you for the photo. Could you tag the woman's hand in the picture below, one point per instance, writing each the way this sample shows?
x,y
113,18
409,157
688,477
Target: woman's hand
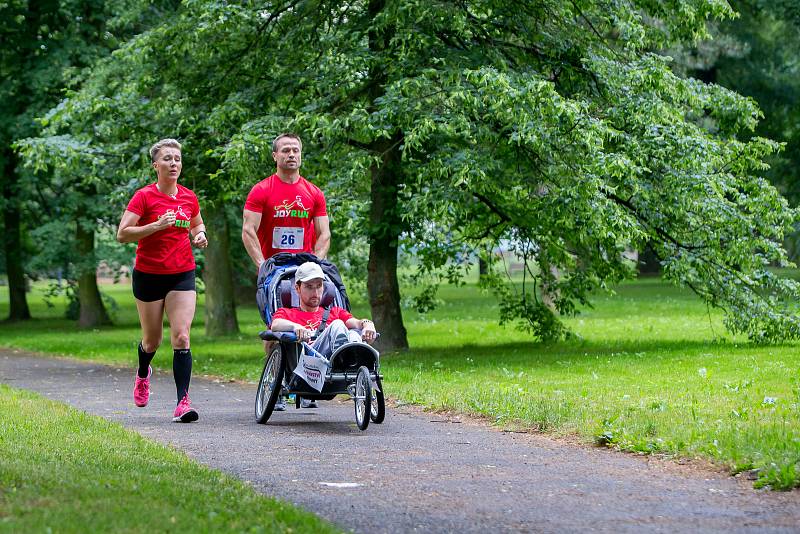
x,y
200,240
166,220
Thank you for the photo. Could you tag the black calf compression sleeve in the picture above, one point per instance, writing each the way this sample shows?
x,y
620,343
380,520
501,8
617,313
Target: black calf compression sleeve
x,y
144,361
182,369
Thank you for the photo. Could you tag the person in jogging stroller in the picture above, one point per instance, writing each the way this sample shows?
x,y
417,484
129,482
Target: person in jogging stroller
x,y
332,327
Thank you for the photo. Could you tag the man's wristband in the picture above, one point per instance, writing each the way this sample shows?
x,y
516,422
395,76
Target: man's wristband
x,y
200,232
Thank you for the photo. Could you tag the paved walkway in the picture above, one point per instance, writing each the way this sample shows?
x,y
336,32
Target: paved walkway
x,y
416,472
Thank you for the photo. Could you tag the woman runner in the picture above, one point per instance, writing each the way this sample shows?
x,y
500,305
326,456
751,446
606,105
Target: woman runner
x,y
164,218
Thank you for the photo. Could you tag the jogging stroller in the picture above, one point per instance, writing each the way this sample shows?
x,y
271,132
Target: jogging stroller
x,y
293,367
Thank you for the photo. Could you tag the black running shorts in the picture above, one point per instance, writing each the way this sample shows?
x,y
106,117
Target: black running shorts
x,y
151,287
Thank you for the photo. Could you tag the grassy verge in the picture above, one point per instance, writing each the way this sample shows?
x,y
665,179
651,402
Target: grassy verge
x,y
652,370
62,470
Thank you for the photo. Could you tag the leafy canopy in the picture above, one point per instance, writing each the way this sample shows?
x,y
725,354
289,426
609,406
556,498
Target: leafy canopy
x,y
548,127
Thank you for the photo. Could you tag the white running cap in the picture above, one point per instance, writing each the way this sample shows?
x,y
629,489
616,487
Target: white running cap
x,y
308,271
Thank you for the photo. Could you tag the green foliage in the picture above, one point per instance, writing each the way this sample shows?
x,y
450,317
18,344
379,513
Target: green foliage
x,y
50,47
45,44
67,290
567,139
550,128
756,55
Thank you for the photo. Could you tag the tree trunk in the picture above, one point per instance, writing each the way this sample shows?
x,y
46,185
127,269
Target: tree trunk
x,y
385,223
218,275
648,262
385,227
12,241
92,311
483,267
549,295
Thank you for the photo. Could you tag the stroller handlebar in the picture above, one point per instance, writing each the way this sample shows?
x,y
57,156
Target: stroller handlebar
x,y
290,337
272,335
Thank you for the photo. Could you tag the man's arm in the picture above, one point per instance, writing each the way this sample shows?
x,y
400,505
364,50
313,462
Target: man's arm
x,y
285,325
250,223
366,326
322,229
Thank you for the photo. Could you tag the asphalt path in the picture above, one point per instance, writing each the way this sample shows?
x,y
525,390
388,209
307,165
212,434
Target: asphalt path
x,y
417,471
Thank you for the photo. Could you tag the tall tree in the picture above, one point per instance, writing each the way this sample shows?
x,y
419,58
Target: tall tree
x,y
547,126
24,49
129,101
46,46
12,236
91,311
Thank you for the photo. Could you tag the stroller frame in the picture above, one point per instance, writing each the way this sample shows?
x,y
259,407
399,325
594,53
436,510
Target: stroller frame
x,y
354,368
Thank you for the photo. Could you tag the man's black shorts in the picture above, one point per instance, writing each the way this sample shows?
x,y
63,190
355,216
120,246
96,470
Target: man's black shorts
x,y
151,287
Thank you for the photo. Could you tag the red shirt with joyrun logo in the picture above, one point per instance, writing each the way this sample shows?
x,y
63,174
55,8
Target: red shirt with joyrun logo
x,y
167,251
287,214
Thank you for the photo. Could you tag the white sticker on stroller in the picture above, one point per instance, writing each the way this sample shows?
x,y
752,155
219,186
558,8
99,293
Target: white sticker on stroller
x,y
312,370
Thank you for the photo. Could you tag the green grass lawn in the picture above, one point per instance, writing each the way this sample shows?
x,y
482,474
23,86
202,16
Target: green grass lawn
x,y
651,370
62,470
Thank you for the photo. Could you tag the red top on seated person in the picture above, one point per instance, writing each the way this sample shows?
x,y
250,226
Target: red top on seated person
x,y
305,320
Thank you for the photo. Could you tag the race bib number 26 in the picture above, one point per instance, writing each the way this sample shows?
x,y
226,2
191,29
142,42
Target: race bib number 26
x,y
287,238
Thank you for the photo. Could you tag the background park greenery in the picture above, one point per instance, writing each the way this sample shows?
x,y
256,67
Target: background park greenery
x,y
651,370
569,133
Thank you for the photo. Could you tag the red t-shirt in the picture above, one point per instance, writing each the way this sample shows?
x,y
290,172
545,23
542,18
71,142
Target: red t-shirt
x,y
311,320
166,251
287,214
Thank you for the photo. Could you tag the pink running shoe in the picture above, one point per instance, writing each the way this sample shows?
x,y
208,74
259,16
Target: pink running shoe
x,y
184,413
141,389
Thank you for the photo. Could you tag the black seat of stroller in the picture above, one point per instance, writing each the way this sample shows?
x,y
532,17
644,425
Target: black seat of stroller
x,y
290,299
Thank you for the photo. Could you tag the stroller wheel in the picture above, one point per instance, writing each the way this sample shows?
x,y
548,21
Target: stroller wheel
x,y
362,398
270,385
378,406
